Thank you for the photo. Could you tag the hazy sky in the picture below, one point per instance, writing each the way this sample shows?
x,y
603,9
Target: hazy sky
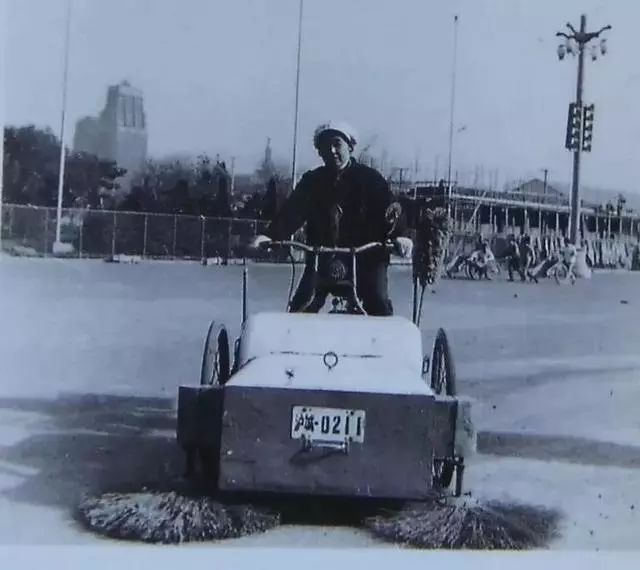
x,y
219,76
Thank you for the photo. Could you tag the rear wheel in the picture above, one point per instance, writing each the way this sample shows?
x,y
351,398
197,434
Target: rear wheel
x,y
443,382
215,371
215,368
443,373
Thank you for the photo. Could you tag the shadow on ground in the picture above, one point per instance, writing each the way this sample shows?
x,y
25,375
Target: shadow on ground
x,y
84,443
558,448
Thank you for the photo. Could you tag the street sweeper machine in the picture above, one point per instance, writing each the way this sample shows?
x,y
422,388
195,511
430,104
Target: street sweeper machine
x,y
328,409
339,404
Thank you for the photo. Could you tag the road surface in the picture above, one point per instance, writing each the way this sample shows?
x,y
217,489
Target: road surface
x,y
91,355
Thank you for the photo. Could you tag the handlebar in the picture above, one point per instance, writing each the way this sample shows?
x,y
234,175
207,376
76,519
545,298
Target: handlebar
x,y
325,249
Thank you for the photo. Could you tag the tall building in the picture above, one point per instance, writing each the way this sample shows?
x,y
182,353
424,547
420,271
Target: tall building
x,y
119,132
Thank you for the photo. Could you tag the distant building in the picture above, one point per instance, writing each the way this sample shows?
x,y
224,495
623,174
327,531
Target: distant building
x,y
267,169
120,131
536,188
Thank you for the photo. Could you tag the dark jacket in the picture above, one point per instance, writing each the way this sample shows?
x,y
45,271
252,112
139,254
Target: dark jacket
x,y
348,212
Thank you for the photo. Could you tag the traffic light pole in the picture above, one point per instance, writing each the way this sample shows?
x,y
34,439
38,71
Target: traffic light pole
x,y
574,222
582,139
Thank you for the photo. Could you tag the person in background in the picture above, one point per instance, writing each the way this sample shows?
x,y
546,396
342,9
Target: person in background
x,y
513,257
527,259
569,254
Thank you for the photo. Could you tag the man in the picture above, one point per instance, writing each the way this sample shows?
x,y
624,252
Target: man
x,y
482,257
569,254
528,259
513,257
346,204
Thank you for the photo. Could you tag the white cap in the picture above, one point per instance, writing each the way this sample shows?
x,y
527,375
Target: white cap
x,y
338,126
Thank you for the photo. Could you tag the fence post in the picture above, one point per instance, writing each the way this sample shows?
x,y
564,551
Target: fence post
x,y
203,222
144,237
46,230
80,244
228,239
539,221
455,215
113,235
175,234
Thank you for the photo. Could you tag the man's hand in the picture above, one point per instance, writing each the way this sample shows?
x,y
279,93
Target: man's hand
x,y
403,247
260,241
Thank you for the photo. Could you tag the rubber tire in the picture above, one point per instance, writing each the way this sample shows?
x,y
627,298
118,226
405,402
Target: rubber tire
x,y
442,359
215,370
467,270
216,362
473,272
561,274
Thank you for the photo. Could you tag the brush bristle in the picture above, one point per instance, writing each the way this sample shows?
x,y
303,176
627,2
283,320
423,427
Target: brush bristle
x,y
432,234
468,524
170,517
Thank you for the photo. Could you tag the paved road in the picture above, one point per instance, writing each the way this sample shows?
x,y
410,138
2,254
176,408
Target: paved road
x,y
91,355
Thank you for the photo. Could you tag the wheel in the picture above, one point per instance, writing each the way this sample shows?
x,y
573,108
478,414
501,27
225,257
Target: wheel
x,y
473,271
561,274
215,368
443,381
443,374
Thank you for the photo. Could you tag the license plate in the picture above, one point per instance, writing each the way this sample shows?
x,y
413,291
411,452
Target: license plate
x,y
327,424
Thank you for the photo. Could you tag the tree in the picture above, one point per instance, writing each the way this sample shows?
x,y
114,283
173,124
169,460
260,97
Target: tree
x,y
273,198
32,165
222,205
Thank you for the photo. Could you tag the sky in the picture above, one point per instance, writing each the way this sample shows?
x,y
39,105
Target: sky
x,y
218,76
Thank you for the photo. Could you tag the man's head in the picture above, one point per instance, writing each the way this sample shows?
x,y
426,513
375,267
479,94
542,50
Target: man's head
x,y
335,143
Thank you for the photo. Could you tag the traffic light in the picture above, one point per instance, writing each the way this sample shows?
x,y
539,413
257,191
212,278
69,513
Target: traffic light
x,y
574,127
587,127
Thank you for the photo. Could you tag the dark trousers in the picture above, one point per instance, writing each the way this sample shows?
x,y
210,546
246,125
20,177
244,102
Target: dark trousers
x,y
513,267
372,288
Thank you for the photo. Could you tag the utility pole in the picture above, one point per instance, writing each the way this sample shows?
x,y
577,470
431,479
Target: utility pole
x,y
452,110
544,189
3,43
233,174
579,127
294,173
57,245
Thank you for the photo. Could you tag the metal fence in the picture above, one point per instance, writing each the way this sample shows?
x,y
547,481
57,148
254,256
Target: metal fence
x,y
30,230
102,233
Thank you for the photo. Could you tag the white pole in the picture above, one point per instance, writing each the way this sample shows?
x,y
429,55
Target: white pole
x,y
57,243
294,173
3,16
452,105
